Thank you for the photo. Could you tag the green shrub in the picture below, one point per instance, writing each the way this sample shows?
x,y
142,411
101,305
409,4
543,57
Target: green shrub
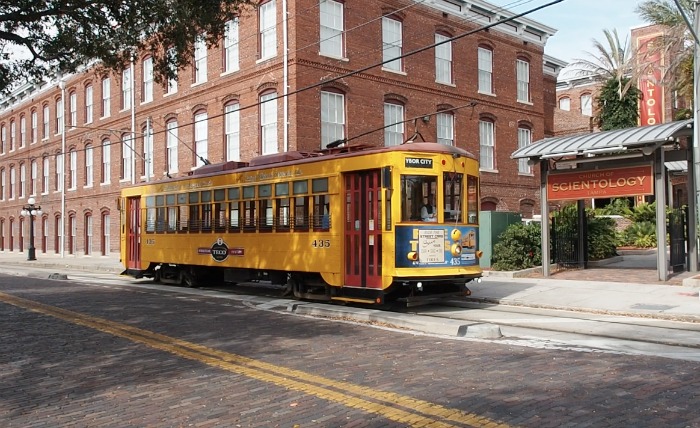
x,y
602,238
618,206
643,212
641,234
519,247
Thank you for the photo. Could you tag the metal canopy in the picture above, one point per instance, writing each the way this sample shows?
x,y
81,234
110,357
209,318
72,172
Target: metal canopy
x,y
606,141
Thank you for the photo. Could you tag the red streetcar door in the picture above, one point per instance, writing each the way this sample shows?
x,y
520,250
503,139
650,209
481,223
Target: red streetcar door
x,y
363,232
133,236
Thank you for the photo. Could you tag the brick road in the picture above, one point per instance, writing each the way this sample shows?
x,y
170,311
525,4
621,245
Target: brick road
x,y
56,372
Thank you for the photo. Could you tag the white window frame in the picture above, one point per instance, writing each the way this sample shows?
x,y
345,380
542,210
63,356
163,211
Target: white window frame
x,y
106,97
587,105
34,171
232,131
231,51
35,127
89,165
22,131
393,124
443,59
13,134
106,161
147,80
171,86
331,23
88,104
60,178
523,77
88,234
127,146
126,88
392,44
22,181
445,128
200,60
268,123
73,165
171,146
73,107
46,173
3,138
485,64
148,152
3,184
524,140
46,122
487,145
268,30
332,117
565,104
201,142
13,182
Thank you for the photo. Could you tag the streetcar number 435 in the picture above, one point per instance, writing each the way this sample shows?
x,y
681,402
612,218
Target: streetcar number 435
x,y
321,243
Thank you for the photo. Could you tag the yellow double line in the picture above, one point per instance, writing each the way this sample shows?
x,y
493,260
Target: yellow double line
x,y
392,406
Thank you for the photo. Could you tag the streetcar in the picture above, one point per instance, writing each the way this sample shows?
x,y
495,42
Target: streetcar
x,y
340,225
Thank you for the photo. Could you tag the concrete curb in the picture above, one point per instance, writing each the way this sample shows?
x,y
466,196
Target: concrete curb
x,y
412,322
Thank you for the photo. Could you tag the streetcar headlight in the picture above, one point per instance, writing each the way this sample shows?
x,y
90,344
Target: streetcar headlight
x,y
412,256
479,253
419,286
456,234
456,249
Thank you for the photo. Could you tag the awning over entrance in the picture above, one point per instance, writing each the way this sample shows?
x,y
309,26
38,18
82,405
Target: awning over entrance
x,y
618,140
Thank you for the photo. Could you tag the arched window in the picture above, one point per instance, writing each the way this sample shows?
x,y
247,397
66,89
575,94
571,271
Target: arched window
x,y
171,146
445,128
393,123
586,105
88,233
89,162
485,64
524,140
106,161
392,43
201,141
267,27
487,143
522,70
332,116
268,122
565,103
127,146
232,131
443,59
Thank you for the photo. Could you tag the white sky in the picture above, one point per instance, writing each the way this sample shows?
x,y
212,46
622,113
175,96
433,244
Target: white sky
x,y
579,21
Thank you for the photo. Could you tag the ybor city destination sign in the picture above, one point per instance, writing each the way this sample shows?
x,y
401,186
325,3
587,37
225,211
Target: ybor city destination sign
x,y
600,183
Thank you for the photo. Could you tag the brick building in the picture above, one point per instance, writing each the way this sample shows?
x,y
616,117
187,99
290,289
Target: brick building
x,y
261,90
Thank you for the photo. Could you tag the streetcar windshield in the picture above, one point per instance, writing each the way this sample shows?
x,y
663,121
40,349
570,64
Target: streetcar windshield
x,y
419,199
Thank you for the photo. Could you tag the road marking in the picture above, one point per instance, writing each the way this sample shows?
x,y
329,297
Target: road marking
x,y
393,406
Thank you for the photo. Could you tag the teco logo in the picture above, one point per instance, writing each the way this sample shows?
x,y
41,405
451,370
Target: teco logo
x,y
219,251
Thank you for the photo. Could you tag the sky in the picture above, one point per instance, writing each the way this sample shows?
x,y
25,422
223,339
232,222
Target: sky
x,y
579,21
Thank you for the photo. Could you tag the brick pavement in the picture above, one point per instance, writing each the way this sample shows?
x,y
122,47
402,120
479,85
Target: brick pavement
x,y
56,373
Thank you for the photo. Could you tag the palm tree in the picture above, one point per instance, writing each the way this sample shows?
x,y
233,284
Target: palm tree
x,y
677,43
612,62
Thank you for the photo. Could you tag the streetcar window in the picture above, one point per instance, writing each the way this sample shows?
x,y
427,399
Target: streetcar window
x,y
172,219
219,195
281,189
322,215
301,213
194,197
266,211
415,190
182,212
282,216
170,200
301,187
264,191
160,200
233,216
472,199
319,185
248,215
249,192
234,194
219,216
452,196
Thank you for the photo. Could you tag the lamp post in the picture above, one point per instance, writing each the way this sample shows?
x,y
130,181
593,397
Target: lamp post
x,y
30,210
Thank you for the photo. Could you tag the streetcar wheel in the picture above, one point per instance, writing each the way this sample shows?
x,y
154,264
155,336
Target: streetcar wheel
x,y
188,280
156,277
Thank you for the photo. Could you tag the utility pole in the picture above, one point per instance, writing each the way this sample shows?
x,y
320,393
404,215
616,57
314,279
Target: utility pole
x,y
693,245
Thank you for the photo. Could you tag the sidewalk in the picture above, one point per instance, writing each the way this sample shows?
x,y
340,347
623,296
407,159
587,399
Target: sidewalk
x,y
597,290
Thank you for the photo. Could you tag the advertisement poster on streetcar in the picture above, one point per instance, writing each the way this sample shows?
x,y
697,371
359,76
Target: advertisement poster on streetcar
x,y
436,246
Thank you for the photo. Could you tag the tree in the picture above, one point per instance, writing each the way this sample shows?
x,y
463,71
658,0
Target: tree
x,y
677,42
40,38
615,112
614,65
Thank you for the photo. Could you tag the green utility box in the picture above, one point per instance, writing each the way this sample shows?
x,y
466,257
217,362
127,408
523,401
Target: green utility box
x,y
491,225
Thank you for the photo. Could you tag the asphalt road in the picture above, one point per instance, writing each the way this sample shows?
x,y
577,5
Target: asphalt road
x,y
97,353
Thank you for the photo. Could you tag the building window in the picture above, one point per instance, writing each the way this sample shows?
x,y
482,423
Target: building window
x,y
147,89
486,145
88,104
443,59
268,29
22,180
13,133
485,70
126,89
32,178
523,76
88,234
127,145
392,42
73,172
105,234
3,138
22,131
565,103
88,165
59,116
106,97
268,123
445,128
171,146
2,184
393,124
47,120
201,143
73,107
147,161
45,173
232,127
59,173
171,85
231,54
524,139
12,182
331,32
332,117
106,160
200,60
586,105
35,127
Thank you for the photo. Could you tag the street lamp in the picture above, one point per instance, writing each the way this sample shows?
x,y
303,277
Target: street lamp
x,y
30,210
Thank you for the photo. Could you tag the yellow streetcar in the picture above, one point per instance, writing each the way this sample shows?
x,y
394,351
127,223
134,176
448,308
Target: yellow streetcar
x,y
352,224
